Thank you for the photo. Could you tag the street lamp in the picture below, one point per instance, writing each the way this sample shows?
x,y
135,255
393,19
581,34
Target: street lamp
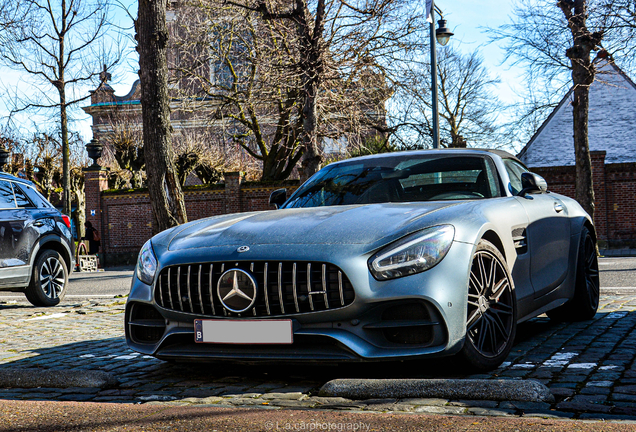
x,y
441,35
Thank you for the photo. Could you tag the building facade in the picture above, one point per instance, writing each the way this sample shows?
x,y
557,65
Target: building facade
x,y
612,120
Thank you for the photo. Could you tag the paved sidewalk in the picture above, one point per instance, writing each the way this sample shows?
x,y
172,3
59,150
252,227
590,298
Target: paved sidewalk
x,y
588,366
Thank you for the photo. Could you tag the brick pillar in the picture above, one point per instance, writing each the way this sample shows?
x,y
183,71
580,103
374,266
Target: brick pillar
x,y
233,182
96,181
600,196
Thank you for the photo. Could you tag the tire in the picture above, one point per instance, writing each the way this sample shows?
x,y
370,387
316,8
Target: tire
x,y
49,279
584,304
491,320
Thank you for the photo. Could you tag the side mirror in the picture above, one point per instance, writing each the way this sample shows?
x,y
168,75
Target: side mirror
x,y
531,182
278,198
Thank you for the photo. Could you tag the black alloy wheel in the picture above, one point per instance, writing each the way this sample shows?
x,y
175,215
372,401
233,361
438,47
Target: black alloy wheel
x,y
588,275
584,303
491,310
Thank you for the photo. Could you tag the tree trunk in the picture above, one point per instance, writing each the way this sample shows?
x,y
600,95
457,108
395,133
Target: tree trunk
x,y
312,65
66,178
61,85
457,141
80,211
582,77
312,157
163,186
584,193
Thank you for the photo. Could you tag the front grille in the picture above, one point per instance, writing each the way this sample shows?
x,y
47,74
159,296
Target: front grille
x,y
284,288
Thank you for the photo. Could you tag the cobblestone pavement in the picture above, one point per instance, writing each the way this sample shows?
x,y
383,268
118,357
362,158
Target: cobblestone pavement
x,y
589,367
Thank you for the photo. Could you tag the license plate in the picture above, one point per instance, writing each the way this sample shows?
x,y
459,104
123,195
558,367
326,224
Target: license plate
x,y
243,331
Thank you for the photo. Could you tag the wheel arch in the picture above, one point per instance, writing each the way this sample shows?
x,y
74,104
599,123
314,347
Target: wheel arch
x,y
493,238
590,226
52,242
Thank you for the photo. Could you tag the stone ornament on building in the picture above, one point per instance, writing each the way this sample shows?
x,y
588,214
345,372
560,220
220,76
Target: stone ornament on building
x,y
94,149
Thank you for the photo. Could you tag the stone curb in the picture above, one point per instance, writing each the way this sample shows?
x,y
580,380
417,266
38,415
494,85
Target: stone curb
x,y
474,389
34,378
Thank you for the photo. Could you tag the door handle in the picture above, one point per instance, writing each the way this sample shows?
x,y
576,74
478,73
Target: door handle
x,y
558,207
38,224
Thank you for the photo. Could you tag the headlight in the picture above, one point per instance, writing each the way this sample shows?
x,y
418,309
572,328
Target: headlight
x,y
414,253
146,264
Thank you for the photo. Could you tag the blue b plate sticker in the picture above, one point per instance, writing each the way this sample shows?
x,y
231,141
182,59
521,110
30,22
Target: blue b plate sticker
x,y
243,331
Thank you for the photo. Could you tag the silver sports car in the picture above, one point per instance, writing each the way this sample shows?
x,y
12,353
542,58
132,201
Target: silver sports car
x,y
393,256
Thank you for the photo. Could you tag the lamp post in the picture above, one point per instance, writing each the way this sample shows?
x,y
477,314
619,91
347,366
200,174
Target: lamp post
x,y
441,35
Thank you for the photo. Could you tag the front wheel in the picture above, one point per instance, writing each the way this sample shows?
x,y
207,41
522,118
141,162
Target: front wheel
x,y
491,321
49,279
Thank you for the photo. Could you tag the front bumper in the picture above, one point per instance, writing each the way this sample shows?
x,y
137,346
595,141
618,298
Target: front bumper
x,y
413,316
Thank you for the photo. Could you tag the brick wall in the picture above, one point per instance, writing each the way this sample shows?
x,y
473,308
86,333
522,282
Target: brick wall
x,y
615,197
127,221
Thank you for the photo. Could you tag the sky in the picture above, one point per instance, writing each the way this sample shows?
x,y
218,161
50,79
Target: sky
x,y
468,19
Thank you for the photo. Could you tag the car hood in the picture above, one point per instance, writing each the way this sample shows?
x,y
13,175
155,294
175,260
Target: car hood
x,y
354,224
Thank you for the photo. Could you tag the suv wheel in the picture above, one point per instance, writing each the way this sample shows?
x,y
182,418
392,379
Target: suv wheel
x,y
49,279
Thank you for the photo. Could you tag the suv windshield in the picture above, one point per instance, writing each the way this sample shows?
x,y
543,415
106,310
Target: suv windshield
x,y
402,178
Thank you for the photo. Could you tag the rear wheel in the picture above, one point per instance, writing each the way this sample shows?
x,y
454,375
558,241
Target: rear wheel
x,y
492,311
584,304
49,279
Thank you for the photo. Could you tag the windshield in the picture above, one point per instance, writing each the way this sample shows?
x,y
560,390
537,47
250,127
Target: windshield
x,y
399,179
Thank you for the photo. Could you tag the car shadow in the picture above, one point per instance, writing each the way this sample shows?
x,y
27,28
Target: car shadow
x,y
142,376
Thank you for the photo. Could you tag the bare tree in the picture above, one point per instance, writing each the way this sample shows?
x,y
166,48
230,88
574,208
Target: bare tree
x,y
163,185
44,168
197,154
469,109
335,43
123,151
240,67
57,45
554,41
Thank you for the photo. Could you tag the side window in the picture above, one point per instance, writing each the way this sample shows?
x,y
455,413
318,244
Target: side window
x,y
21,198
7,200
36,198
493,179
514,172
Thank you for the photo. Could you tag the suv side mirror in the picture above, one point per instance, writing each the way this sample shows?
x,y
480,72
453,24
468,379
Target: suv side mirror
x,y
278,198
531,182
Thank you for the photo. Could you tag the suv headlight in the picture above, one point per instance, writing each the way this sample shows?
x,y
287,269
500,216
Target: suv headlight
x,y
414,253
146,264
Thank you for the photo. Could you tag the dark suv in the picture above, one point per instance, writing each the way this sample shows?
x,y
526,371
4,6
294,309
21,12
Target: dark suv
x,y
35,243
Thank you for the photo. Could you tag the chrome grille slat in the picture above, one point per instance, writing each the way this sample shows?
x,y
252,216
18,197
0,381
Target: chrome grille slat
x,y
340,288
280,288
294,287
160,297
311,301
170,290
324,284
190,290
179,288
211,289
266,291
326,289
252,271
199,288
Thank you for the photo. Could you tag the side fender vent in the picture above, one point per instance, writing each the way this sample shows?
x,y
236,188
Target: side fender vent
x,y
521,240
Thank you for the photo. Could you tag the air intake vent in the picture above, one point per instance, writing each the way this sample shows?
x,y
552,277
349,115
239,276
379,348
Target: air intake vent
x,y
146,324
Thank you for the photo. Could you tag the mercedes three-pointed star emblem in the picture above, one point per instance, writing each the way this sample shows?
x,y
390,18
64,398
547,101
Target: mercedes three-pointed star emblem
x,y
237,290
